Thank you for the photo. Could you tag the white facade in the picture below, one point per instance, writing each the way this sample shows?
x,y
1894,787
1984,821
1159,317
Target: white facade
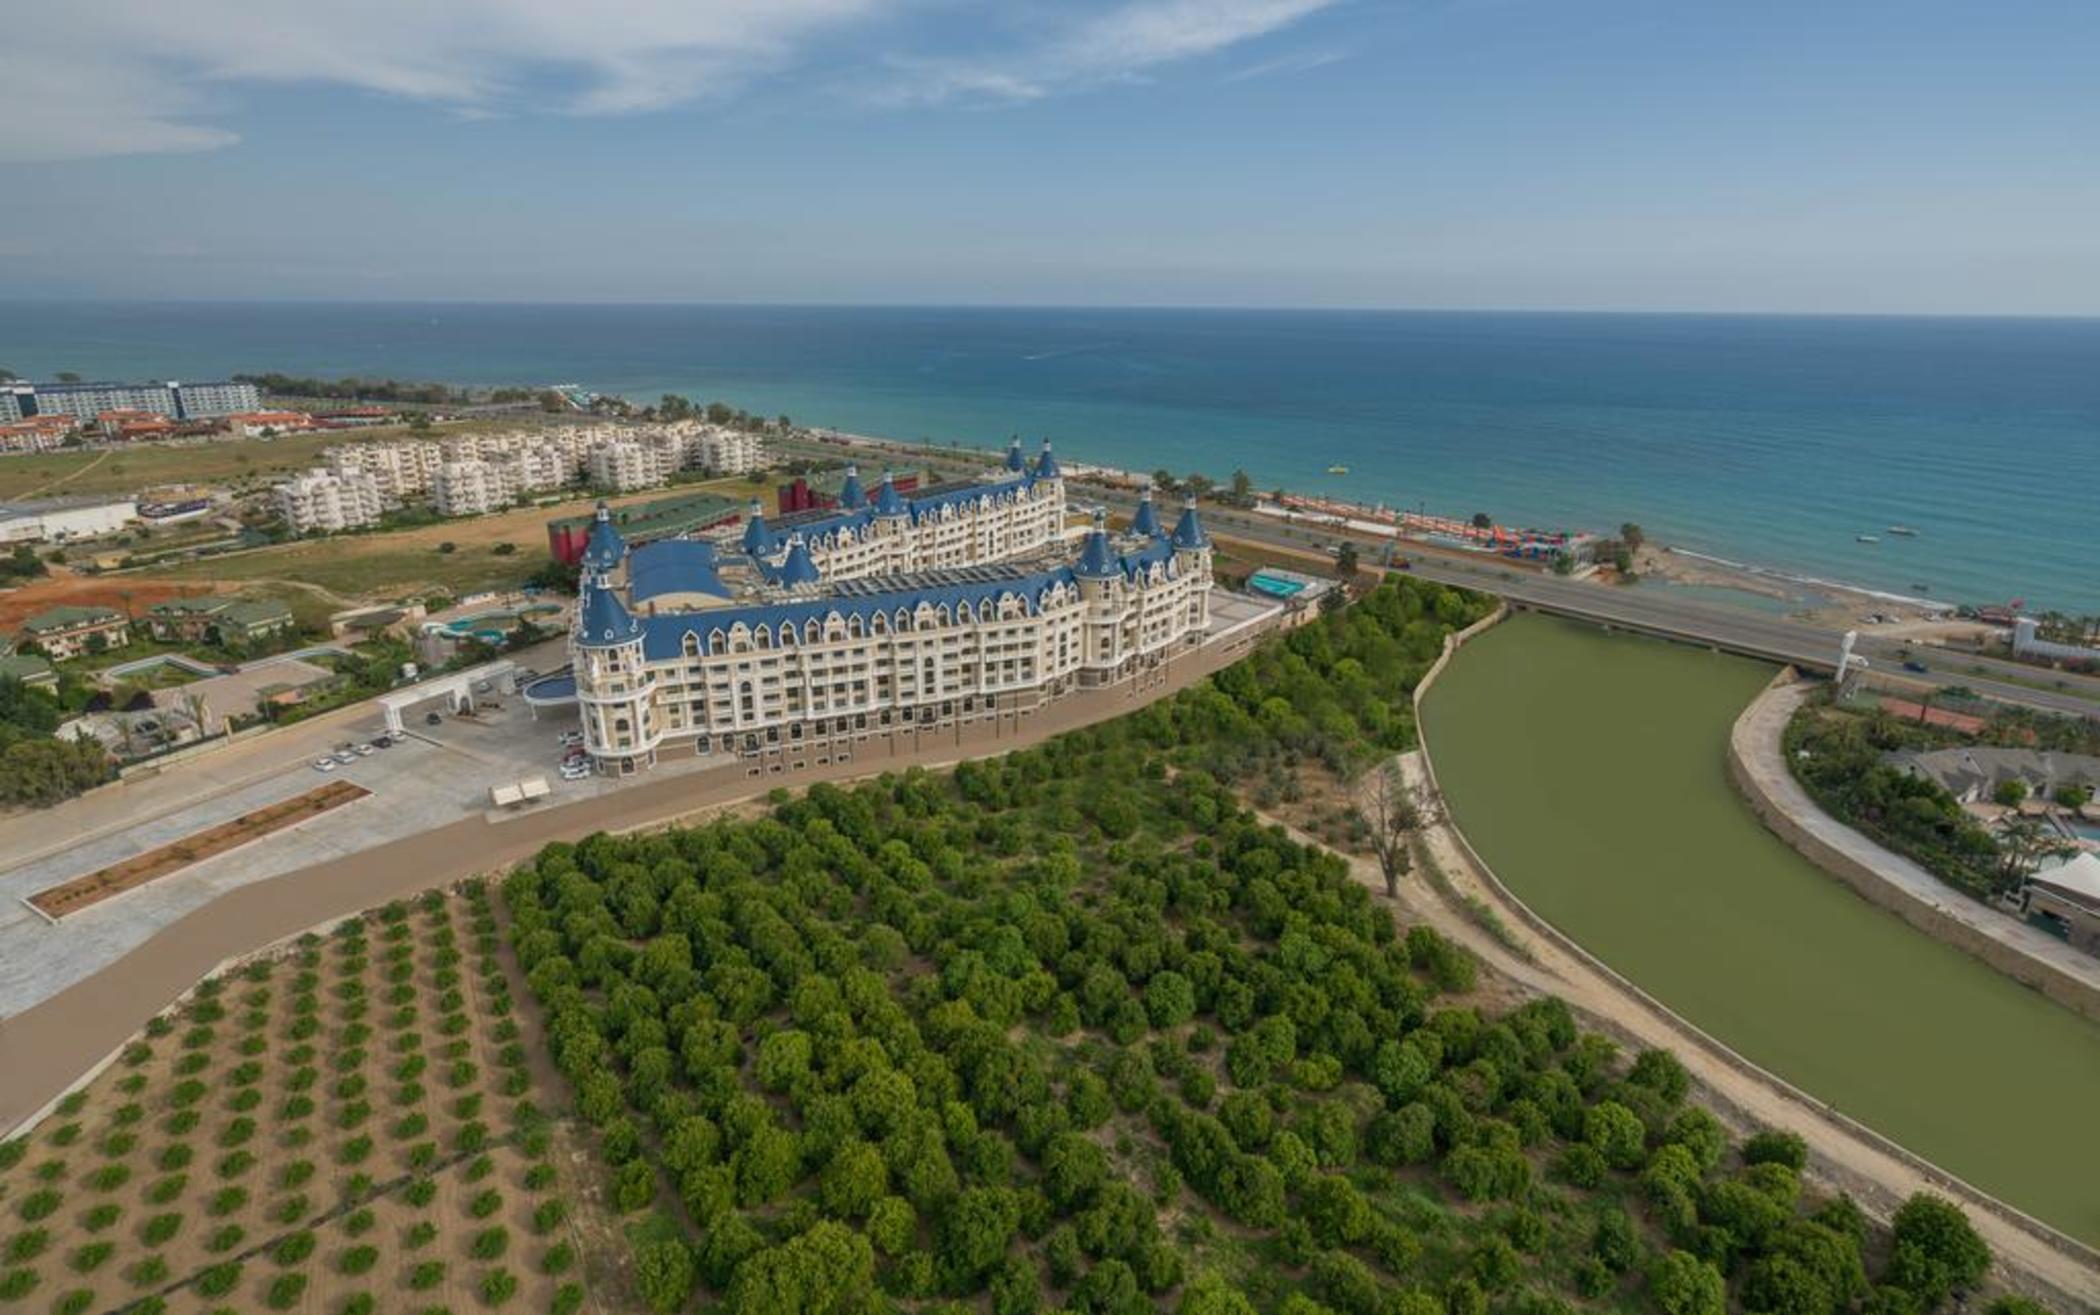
x,y
473,486
806,659
61,522
215,399
323,502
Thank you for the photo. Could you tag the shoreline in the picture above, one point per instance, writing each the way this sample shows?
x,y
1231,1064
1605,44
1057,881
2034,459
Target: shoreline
x,y
1819,598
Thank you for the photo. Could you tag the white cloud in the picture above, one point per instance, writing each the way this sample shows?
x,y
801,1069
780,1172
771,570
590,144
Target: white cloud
x,y
109,77
82,78
1122,42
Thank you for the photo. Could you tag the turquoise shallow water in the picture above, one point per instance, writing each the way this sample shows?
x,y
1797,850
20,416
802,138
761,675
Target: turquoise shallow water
x,y
1768,439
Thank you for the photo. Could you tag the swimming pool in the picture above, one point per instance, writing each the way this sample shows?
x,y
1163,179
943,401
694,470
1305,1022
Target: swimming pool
x,y
1276,586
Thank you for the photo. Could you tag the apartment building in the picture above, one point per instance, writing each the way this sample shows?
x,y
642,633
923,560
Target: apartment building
x,y
326,502
85,401
473,486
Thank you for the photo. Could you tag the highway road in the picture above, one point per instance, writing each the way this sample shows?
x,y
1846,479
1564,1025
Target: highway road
x,y
1740,630
1778,638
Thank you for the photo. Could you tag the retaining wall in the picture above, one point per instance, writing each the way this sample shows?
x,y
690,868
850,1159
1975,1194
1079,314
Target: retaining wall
x,y
1940,914
1959,1189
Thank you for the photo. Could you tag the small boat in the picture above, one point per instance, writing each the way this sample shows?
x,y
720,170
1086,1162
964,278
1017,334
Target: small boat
x,y
1867,538
1337,469
1904,530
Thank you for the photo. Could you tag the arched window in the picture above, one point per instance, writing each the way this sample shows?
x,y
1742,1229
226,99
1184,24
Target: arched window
x,y
691,644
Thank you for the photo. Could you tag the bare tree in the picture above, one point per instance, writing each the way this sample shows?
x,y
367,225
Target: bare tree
x,y
1394,811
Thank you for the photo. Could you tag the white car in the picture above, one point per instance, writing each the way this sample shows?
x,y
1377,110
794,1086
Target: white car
x,y
345,756
324,764
363,750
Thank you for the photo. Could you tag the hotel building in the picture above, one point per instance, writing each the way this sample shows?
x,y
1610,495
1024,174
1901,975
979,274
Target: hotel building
x,y
961,600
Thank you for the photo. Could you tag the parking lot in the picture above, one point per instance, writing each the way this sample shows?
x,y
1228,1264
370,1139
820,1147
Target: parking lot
x,y
435,773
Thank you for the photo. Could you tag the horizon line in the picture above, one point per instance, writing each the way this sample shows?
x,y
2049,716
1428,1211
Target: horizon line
x,y
1094,307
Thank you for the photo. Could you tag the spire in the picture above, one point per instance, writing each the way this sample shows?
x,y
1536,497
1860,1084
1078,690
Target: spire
x,y
604,547
1188,531
1015,462
888,502
1046,464
1097,561
758,536
1146,521
602,621
799,568
851,498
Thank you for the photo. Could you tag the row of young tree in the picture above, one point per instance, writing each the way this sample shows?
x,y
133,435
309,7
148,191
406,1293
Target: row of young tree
x,y
1073,1029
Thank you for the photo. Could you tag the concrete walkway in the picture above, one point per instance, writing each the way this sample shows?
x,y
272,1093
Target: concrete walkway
x,y
49,1047
2032,957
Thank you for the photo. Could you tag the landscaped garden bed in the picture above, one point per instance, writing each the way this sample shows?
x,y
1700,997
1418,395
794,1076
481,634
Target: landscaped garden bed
x,y
94,887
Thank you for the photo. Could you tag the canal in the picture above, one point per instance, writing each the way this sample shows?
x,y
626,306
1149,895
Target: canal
x,y
1589,771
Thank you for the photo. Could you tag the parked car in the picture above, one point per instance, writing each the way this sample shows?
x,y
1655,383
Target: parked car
x,y
324,764
382,741
363,750
1915,665
569,739
434,719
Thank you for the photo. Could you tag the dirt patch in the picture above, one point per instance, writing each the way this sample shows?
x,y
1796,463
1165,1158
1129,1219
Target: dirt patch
x,y
103,883
64,589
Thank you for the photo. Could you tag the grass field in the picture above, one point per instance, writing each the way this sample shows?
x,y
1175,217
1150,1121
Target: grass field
x,y
405,561
353,1126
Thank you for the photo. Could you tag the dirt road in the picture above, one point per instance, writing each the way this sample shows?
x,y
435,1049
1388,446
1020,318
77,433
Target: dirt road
x,y
1844,1155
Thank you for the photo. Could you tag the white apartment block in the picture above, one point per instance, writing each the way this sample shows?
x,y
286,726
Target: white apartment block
x,y
323,502
403,470
624,465
473,486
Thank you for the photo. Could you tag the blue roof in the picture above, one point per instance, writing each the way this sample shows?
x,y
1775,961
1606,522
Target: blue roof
x,y
888,502
1146,521
1097,561
603,621
1188,531
797,568
675,566
757,538
603,549
1046,464
1014,460
663,636
851,496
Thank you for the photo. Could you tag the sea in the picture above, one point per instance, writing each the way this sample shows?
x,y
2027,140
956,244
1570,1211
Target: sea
x,y
1767,440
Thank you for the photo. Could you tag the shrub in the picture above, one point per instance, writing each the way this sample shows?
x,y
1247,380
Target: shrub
x,y
148,1272
101,1216
568,1299
37,1205
16,1284
420,1193
548,1216
427,1275
294,1248
160,1228
498,1286
485,1204
420,1234
227,1200
89,1258
226,1237
286,1290
167,1189
490,1243
219,1279
559,1259
357,1260
359,1222
27,1245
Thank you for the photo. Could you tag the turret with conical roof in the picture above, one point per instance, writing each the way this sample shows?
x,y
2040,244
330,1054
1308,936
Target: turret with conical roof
x,y
1015,462
1146,521
1046,464
1189,534
1097,560
758,536
800,568
602,620
851,496
889,502
604,548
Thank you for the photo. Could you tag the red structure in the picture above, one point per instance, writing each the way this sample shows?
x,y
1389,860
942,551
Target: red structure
x,y
797,495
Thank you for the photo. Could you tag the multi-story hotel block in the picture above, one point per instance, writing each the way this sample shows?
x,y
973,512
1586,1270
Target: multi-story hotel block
x,y
322,502
686,646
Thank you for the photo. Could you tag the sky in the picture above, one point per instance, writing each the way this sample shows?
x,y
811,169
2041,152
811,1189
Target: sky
x,y
1880,156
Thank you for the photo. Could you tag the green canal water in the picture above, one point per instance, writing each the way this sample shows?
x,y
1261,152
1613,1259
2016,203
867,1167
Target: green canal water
x,y
1589,771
